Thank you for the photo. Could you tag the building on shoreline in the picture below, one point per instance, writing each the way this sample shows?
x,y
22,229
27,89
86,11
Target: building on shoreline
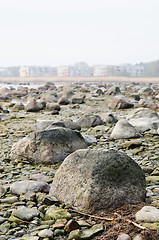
x,y
37,71
82,69
100,70
128,70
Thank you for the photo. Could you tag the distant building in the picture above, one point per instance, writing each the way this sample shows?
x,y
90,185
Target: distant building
x,y
63,71
24,71
42,71
129,70
81,69
37,71
100,71
4,72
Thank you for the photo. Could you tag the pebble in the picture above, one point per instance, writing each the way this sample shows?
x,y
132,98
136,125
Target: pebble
x,y
124,237
45,233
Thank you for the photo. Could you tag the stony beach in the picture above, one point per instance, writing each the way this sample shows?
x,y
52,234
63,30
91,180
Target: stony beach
x,y
79,161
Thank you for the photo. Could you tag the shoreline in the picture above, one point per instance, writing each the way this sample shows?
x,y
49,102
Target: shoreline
x,y
77,79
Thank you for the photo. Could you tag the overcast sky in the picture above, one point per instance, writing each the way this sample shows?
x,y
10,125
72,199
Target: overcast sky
x,y
55,32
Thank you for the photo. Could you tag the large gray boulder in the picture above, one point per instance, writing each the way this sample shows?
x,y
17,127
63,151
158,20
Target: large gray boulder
x,y
48,146
143,119
33,106
49,96
142,113
94,180
90,120
18,107
108,118
123,129
120,103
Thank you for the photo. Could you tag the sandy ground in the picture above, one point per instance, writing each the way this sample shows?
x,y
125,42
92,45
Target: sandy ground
x,y
79,79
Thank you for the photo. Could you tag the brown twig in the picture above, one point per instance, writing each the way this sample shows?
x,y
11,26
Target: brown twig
x,y
21,222
92,216
110,219
129,221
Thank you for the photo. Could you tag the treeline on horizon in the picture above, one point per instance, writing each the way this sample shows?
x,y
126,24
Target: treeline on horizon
x,y
151,69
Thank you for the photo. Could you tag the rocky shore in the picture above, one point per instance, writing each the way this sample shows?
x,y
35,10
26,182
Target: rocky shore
x,y
79,161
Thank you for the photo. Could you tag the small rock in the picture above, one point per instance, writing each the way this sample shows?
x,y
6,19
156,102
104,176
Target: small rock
x,y
148,214
124,237
9,200
2,191
71,225
120,103
33,106
39,177
123,129
27,237
59,232
90,120
90,140
138,237
58,213
85,234
45,233
20,233
25,213
63,101
2,220
22,187
4,227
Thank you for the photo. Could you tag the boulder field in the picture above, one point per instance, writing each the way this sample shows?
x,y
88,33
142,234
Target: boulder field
x,y
79,161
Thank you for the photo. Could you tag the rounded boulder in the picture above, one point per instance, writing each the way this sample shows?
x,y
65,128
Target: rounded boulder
x,y
94,180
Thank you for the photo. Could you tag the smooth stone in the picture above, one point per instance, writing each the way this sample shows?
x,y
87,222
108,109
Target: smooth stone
x,y
41,227
90,140
123,129
2,237
4,227
22,187
138,237
152,179
20,233
58,213
27,237
2,220
58,226
90,120
46,233
148,214
14,219
124,236
2,191
48,146
59,232
25,213
29,196
85,234
9,200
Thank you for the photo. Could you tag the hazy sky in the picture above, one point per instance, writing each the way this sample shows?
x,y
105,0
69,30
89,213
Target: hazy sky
x,y
55,32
